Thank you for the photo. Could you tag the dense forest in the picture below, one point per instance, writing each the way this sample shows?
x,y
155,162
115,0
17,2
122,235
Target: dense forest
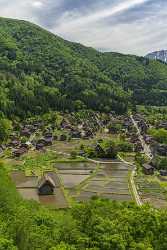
x,y
40,72
97,225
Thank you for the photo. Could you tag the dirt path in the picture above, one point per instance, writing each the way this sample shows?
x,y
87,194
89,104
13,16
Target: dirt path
x,y
102,162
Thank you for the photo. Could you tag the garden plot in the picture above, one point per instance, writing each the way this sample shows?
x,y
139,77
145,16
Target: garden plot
x,y
75,166
151,192
118,184
110,182
58,200
71,180
66,147
117,197
85,196
28,187
73,174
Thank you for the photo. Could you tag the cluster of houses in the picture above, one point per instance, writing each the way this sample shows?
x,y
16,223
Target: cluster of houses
x,y
132,135
21,142
156,148
82,130
39,134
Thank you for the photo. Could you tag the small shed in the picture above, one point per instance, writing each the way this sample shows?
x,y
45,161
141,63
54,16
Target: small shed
x,y
14,143
46,186
20,151
48,141
162,149
163,172
25,132
48,135
39,146
63,137
148,169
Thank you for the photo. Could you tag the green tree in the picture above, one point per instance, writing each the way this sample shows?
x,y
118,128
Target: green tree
x,y
5,129
6,244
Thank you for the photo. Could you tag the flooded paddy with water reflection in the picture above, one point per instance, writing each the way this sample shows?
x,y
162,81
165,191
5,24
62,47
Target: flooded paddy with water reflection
x,y
82,181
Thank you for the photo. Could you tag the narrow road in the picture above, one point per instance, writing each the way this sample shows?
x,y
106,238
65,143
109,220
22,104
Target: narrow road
x,y
132,182
134,190
147,152
146,147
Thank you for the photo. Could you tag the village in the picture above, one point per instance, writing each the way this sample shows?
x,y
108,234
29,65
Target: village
x,y
63,158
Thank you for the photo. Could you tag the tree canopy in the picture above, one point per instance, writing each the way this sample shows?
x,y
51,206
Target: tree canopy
x,y
96,225
40,72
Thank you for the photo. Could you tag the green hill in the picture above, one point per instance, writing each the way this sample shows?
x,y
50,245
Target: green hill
x,y
40,71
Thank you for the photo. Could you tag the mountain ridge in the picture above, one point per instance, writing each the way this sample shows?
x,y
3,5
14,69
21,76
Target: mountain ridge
x,y
40,71
158,55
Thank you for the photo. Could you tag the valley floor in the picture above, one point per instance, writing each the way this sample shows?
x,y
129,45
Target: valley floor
x,y
82,176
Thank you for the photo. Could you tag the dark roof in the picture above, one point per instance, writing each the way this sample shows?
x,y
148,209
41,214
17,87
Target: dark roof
x,y
25,131
163,171
40,145
48,139
48,134
147,166
46,179
41,141
23,181
14,143
20,151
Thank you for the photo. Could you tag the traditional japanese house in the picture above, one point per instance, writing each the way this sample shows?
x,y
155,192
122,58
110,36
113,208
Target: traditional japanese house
x,y
46,189
25,132
19,152
14,143
163,172
148,169
162,149
48,134
39,146
48,141
46,185
163,125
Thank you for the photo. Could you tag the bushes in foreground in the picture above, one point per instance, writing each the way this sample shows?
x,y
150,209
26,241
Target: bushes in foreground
x,y
96,225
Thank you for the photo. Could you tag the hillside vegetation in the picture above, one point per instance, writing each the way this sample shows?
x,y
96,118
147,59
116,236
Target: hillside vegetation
x,y
40,71
96,225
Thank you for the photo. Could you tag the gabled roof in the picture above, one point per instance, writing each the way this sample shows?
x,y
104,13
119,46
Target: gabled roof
x,y
147,166
46,179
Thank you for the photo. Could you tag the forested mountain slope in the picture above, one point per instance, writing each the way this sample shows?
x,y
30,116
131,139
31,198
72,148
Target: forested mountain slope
x,y
146,78
40,71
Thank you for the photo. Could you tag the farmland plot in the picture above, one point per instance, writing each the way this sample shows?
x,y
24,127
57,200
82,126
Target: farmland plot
x,y
72,174
151,191
111,181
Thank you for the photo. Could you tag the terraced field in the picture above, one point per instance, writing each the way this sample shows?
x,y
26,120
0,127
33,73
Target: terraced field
x,y
85,180
151,191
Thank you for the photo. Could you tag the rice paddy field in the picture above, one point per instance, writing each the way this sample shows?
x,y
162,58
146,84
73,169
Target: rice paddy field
x,y
80,179
107,180
152,190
